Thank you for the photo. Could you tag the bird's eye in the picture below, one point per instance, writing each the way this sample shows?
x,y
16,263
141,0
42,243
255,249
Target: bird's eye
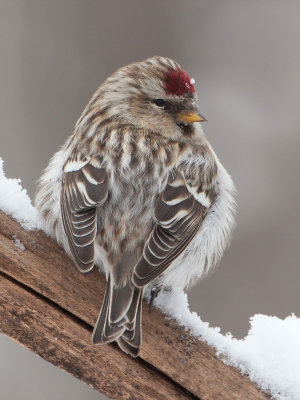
x,y
159,102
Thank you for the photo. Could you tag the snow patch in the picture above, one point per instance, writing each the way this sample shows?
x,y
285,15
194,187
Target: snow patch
x,y
18,243
15,202
269,354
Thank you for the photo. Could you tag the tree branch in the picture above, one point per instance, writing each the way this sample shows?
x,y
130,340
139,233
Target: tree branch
x,y
50,307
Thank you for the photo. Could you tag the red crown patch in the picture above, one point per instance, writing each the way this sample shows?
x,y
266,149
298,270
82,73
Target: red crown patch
x,y
178,83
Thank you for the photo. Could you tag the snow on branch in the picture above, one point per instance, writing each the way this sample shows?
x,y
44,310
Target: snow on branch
x,y
15,201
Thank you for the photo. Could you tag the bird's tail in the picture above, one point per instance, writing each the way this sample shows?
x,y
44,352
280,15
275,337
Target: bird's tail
x,y
120,317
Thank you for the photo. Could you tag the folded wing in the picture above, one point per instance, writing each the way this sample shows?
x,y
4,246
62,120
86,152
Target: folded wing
x,y
179,213
83,190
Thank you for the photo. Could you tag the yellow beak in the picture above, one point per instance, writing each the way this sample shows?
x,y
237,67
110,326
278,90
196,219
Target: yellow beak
x,y
191,117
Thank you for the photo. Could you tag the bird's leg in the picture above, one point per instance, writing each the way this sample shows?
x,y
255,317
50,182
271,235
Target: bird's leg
x,y
154,293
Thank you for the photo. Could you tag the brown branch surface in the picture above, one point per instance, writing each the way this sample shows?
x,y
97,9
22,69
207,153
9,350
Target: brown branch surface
x,y
50,307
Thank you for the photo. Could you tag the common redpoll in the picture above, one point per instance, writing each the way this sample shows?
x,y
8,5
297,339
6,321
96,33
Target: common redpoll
x,y
138,191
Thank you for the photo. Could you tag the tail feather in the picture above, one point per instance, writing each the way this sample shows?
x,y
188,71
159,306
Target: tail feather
x,y
103,331
120,302
120,318
130,341
127,348
133,334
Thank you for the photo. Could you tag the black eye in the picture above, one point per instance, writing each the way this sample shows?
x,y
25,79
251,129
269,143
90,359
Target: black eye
x,y
159,102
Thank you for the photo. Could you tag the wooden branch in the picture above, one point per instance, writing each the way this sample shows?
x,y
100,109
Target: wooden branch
x,y
50,307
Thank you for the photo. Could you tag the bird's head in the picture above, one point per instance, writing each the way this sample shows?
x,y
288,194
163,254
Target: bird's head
x,y
155,94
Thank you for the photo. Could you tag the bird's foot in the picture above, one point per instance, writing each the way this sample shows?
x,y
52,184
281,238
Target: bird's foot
x,y
154,294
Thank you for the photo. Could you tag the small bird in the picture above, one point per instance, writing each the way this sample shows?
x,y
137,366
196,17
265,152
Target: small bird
x,y
138,191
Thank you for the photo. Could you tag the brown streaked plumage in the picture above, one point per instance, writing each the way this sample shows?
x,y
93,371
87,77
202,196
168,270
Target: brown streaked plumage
x,y
138,190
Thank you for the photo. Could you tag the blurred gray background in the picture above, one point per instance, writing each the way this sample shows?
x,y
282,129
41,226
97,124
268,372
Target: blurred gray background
x,y
245,58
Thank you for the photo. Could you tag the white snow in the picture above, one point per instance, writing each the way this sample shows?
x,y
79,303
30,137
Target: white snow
x,y
18,243
15,201
269,354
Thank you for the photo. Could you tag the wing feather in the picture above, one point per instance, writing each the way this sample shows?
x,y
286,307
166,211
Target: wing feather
x,y
178,217
82,192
